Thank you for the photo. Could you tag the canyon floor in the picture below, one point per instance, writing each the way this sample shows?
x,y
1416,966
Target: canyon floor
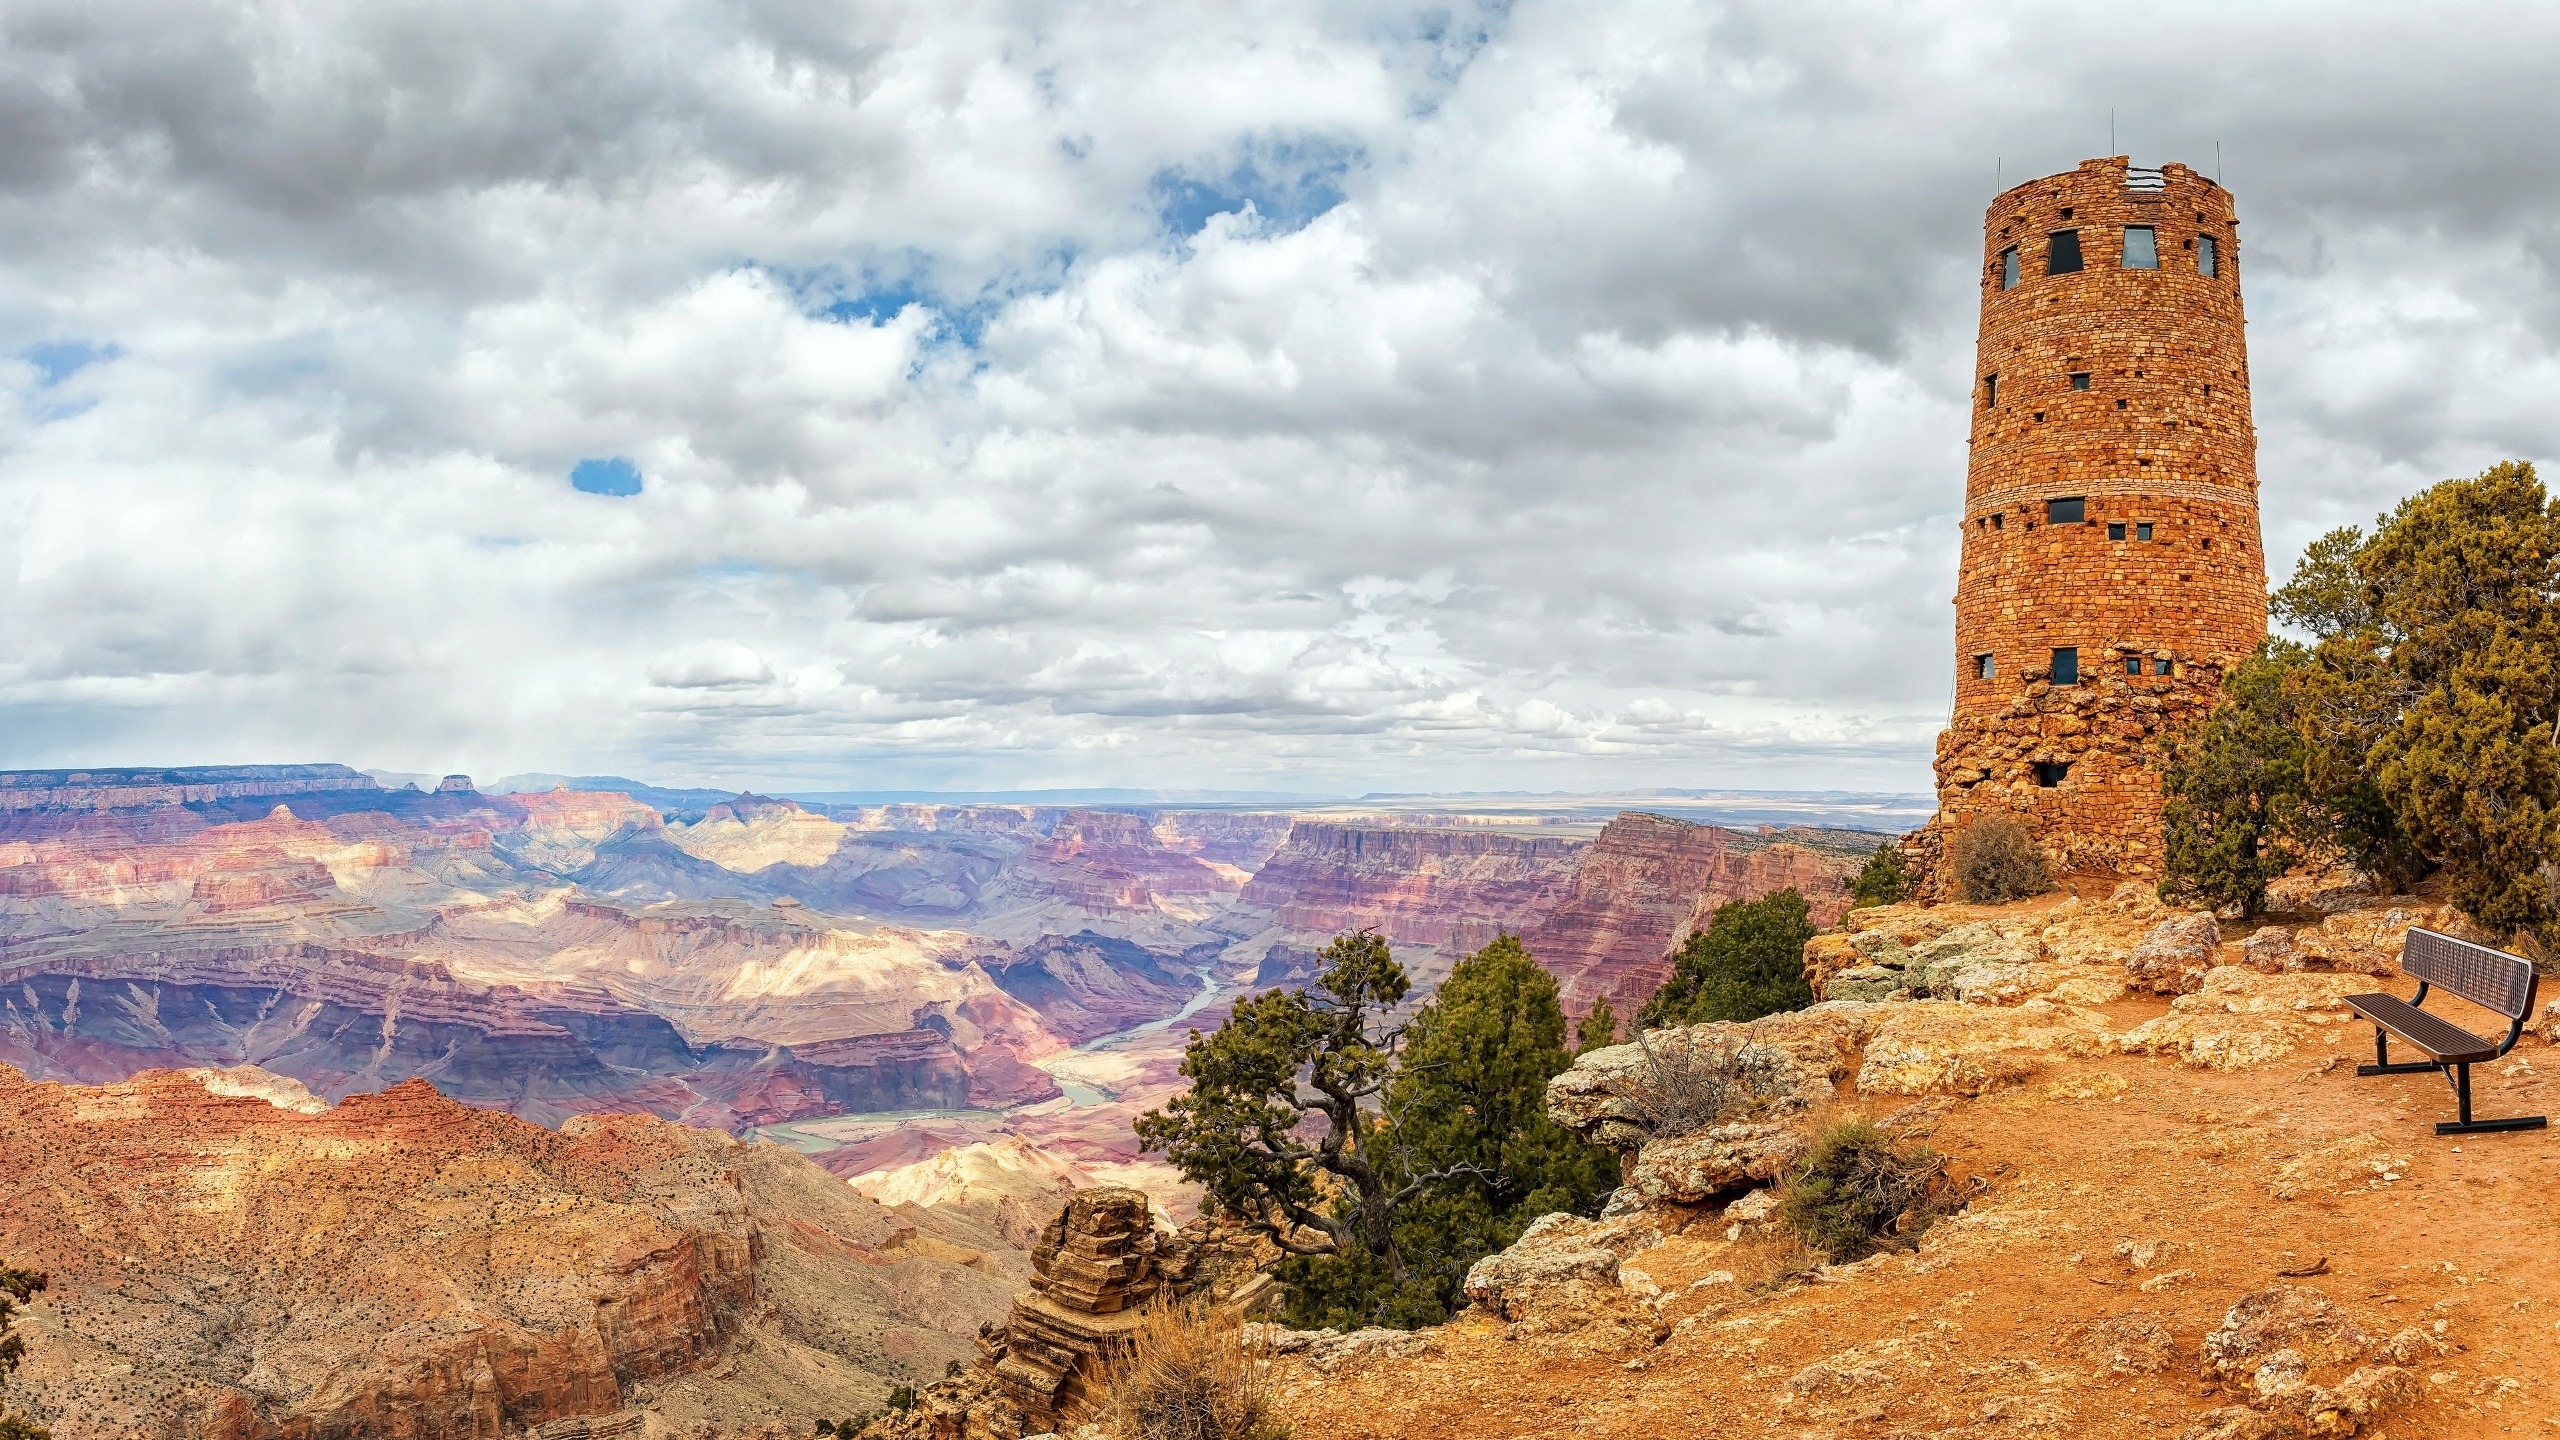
x,y
2132,1200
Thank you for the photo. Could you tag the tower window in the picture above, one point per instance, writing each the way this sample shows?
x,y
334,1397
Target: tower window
x,y
2080,380
2062,251
2009,268
2066,212
2133,664
2205,257
2159,667
2115,530
1990,391
1995,522
2142,530
2141,248
2066,665
2049,773
2066,512
1982,667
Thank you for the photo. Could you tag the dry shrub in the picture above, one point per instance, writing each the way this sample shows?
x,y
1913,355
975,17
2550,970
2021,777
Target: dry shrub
x,y
1856,1192
1996,860
1191,1374
1706,1081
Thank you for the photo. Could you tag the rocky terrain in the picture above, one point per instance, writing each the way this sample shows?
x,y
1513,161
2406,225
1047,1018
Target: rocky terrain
x,y
2183,1212
231,1258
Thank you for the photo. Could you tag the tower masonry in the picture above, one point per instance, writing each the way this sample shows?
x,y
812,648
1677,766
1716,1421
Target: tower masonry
x,y
2111,569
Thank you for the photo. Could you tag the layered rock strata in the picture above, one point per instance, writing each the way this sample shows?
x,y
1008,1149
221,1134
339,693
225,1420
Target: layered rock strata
x,y
1648,881
227,1251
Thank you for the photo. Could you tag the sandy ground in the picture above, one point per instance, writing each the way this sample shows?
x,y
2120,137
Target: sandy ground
x,y
2024,1317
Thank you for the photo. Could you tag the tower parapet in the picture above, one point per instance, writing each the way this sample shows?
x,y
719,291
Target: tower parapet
x,y
2111,567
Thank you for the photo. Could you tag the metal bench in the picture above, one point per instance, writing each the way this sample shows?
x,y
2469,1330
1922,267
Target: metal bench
x,y
2485,977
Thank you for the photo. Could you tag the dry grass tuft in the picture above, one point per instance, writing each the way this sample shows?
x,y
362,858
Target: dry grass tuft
x,y
1191,1374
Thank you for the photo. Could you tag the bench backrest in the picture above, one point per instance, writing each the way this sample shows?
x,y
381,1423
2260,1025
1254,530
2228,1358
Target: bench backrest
x,y
2477,973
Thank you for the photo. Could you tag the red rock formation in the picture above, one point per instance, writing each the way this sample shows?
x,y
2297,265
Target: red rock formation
x,y
402,1266
97,790
1416,887
1647,882
1104,861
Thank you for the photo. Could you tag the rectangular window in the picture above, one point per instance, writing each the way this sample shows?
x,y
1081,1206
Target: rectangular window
x,y
2115,530
1995,522
2066,665
2133,664
2066,512
2080,380
1990,391
2009,268
1982,667
2142,530
2141,250
2062,252
2049,773
2205,257
2159,667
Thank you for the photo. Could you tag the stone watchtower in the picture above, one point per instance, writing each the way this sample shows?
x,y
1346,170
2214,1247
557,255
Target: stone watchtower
x,y
2111,567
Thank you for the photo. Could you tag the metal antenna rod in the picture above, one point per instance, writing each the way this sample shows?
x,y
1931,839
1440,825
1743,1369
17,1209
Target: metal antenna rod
x,y
2111,130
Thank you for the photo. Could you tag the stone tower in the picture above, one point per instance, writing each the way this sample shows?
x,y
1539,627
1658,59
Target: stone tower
x,y
2111,567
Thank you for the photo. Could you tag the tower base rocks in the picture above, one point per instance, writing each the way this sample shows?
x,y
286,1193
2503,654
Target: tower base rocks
x,y
2098,745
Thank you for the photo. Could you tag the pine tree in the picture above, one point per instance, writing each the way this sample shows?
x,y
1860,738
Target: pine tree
x,y
1747,963
1881,880
1467,1106
1598,1028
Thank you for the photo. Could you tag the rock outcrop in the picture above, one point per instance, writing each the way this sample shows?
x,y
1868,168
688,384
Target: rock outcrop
x,y
224,1249
1435,895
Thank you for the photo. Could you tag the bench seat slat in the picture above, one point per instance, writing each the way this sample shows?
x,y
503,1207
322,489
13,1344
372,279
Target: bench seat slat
x,y
2439,1038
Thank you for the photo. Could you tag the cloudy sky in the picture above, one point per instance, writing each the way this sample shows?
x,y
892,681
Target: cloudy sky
x,y
1314,397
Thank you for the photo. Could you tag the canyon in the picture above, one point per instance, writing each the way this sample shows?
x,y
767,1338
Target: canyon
x,y
458,1001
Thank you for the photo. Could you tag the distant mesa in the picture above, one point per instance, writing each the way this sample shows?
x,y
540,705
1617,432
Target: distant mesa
x,y
616,476
455,785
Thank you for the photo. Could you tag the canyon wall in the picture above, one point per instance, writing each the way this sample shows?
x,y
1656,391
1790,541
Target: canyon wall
x,y
1648,881
401,1266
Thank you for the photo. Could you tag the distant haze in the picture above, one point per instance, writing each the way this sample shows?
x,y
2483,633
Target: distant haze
x,y
1300,400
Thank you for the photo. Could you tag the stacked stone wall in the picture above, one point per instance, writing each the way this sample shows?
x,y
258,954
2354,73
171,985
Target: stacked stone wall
x,y
2162,572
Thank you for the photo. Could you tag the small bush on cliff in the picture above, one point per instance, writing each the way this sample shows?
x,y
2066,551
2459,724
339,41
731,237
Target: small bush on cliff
x,y
1747,963
1995,860
17,1287
1384,1158
1856,1193
1881,880
1190,1373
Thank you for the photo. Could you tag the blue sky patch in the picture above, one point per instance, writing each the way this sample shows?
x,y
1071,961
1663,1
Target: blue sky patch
x,y
1288,184
58,360
616,476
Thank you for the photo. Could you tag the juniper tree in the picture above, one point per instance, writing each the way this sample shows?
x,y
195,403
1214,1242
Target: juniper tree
x,y
1747,963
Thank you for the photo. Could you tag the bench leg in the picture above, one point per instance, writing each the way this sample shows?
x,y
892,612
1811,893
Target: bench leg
x,y
2461,1079
2382,1058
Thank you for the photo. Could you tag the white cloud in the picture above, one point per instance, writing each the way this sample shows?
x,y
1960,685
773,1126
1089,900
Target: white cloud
x,y
1606,432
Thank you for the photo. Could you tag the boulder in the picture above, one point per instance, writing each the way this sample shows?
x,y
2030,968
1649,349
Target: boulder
x,y
1622,1096
2297,1318
2173,957
2269,950
1694,1168
1562,1275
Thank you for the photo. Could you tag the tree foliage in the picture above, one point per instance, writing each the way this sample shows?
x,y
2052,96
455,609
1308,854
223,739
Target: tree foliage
x,y
2422,715
2235,812
1598,1028
1412,1150
17,1287
1747,963
1881,880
